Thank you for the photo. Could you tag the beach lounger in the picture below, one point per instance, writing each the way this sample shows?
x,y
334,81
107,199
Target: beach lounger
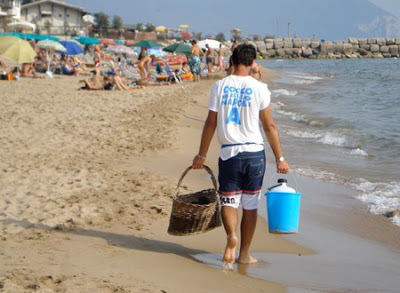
x,y
172,76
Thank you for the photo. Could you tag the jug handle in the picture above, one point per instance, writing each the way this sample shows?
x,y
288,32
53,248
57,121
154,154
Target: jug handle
x,y
273,175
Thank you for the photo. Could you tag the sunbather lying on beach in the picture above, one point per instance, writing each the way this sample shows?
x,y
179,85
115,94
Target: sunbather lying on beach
x,y
109,82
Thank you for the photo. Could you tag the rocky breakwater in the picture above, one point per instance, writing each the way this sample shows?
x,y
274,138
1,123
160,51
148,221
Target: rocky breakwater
x,y
314,49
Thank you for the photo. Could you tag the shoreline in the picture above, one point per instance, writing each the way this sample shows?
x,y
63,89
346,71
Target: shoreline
x,y
318,204
96,172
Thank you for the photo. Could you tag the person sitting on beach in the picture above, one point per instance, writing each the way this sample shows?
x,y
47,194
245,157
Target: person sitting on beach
x,y
68,68
28,70
195,61
96,82
185,68
3,65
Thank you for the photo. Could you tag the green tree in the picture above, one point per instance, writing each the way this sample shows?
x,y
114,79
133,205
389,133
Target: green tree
x,y
197,36
117,22
102,22
149,27
220,37
27,1
269,36
139,27
256,38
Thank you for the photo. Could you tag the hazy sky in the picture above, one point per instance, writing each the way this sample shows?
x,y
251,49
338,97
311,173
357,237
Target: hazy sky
x,y
392,6
202,16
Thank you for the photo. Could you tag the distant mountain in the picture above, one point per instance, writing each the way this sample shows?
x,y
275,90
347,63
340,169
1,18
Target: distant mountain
x,y
326,19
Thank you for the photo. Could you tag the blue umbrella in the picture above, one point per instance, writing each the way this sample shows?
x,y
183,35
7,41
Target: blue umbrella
x,y
38,37
87,40
72,48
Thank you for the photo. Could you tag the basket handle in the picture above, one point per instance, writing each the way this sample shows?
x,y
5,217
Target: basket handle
x,y
205,167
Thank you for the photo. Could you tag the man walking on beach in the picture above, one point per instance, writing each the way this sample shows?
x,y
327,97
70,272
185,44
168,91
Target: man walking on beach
x,y
239,106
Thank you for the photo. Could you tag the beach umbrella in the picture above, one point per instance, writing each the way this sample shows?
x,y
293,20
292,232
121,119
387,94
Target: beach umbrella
x,y
50,46
119,42
120,49
14,34
147,44
87,41
213,44
38,37
72,48
22,25
107,42
17,50
129,42
160,29
179,48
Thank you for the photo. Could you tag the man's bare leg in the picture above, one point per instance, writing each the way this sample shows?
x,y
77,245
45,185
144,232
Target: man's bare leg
x,y
247,228
230,220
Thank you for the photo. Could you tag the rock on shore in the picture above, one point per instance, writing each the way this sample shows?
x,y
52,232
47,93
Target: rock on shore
x,y
315,49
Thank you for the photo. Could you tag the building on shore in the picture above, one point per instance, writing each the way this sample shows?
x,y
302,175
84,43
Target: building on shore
x,y
54,17
10,10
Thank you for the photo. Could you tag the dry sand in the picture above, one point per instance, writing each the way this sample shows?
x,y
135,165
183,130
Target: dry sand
x,y
87,180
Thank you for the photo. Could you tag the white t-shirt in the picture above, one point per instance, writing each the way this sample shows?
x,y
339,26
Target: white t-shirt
x,y
238,101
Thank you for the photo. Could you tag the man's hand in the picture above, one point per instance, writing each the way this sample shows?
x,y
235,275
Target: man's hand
x,y
282,167
198,162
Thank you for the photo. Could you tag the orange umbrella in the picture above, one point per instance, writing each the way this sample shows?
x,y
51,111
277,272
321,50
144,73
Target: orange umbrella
x,y
107,41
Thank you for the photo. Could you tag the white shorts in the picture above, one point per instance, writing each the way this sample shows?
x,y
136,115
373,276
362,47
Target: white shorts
x,y
248,200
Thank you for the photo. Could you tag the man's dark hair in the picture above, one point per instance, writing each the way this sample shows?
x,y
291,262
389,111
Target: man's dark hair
x,y
244,54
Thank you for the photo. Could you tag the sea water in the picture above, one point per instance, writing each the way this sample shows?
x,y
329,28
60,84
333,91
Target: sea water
x,y
339,122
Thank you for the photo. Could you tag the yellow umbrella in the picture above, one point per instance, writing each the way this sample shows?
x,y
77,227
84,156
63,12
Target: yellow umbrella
x,y
160,29
17,50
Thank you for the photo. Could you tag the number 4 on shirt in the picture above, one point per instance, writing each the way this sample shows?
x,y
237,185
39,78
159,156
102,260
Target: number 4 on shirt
x,y
234,116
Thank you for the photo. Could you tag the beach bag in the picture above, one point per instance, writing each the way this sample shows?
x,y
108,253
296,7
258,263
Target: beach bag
x,y
197,212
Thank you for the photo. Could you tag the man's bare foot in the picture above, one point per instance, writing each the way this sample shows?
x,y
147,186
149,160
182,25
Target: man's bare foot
x,y
230,249
247,260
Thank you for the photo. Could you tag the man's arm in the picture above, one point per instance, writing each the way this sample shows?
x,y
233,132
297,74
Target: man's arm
x,y
208,132
272,134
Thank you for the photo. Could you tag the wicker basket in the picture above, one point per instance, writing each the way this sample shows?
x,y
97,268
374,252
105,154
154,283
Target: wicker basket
x,y
195,213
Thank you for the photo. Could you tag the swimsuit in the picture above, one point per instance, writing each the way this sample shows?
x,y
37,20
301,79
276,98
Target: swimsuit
x,y
194,63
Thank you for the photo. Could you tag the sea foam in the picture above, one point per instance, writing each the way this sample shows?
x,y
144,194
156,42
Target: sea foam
x,y
283,92
332,139
382,198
